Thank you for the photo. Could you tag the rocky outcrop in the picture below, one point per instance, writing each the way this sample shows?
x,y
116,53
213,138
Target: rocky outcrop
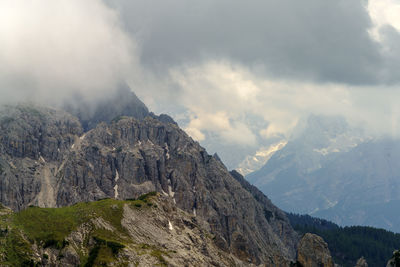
x,y
30,137
276,217
395,260
313,252
47,160
361,262
152,232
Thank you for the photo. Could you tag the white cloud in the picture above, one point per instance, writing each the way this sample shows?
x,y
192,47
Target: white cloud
x,y
216,94
221,96
383,12
228,129
52,49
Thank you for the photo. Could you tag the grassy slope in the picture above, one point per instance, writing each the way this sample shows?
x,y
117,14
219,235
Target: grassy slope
x,y
49,227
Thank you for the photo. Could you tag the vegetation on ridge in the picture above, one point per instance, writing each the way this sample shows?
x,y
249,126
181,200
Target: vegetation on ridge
x,y
50,227
348,244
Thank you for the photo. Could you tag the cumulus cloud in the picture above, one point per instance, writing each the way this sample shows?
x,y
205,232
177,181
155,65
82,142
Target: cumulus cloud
x,y
50,50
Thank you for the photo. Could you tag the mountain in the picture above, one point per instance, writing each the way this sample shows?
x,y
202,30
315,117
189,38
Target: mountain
x,y
48,159
333,171
254,162
123,102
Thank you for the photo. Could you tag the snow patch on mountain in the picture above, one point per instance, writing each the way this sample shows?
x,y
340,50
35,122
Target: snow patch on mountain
x,y
254,162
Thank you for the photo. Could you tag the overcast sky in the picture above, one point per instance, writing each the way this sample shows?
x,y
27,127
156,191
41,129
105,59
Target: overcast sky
x,y
233,73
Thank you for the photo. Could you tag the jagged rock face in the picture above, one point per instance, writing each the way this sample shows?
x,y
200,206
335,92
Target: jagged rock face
x,y
29,131
28,136
395,260
361,262
154,233
276,217
313,252
130,157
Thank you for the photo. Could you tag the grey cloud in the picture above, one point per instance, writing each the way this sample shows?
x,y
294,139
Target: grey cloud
x,y
278,60
50,51
326,41
390,73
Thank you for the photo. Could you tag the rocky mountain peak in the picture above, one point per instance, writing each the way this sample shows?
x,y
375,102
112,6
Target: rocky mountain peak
x,y
48,160
122,102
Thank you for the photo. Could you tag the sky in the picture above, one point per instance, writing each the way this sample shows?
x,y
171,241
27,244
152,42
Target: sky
x,y
236,75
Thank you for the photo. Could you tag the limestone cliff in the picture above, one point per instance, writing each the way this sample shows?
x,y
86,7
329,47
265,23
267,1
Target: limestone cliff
x,y
313,252
47,159
149,231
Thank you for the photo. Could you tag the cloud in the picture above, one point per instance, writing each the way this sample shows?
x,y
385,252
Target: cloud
x,y
265,64
50,50
224,127
234,74
382,13
214,94
221,98
323,41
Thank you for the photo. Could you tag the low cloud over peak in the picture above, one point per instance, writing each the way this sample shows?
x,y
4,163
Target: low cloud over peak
x,y
53,49
235,75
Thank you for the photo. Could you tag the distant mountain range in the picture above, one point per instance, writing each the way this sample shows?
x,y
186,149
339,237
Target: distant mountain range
x,y
254,162
333,171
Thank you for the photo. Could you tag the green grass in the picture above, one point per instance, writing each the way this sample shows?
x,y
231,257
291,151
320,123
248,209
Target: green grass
x,y
44,225
55,224
16,249
147,196
49,227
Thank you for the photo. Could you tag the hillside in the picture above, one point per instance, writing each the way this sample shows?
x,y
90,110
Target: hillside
x,y
149,231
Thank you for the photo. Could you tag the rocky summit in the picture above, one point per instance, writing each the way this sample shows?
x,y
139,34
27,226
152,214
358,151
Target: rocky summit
x,y
48,159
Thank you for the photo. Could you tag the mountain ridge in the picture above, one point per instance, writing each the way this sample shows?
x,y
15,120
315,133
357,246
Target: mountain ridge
x,y
51,161
148,231
335,173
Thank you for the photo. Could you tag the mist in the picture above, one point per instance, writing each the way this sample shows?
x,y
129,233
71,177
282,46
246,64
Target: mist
x,y
234,75
53,50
